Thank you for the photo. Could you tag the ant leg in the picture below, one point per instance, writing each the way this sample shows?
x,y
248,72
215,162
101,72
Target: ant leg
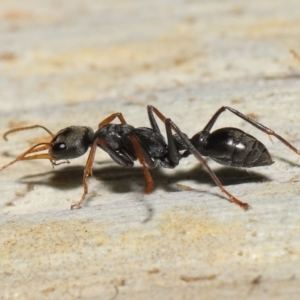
x,y
171,125
141,155
86,173
152,120
126,161
111,118
174,154
143,160
198,156
252,122
25,128
90,160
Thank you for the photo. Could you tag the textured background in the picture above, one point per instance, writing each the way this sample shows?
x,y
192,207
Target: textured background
x,y
74,63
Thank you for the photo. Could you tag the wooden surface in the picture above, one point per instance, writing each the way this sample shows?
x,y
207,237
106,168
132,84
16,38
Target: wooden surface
x,y
74,63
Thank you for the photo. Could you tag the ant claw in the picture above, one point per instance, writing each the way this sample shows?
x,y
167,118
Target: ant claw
x,y
246,206
76,206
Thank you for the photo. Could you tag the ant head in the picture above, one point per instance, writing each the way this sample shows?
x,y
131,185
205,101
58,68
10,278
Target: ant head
x,y
71,142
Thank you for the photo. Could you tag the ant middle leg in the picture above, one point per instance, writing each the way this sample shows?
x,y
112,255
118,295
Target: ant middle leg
x,y
256,124
143,157
121,159
144,160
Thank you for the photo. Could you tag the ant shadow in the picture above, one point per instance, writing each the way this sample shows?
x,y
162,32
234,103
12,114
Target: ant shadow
x,y
124,180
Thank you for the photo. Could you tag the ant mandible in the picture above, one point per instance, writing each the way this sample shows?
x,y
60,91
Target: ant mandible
x,y
125,144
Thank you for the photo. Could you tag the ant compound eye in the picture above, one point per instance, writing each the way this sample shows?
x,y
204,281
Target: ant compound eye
x,y
59,147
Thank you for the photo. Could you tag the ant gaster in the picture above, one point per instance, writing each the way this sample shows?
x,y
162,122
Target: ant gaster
x,y
228,146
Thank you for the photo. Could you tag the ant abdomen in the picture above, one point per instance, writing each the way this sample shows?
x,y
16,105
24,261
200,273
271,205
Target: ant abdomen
x,y
232,147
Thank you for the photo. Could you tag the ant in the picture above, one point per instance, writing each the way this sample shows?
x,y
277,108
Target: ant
x,y
125,144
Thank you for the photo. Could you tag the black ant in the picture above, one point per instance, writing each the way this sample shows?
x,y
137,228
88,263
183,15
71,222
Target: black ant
x,y
228,146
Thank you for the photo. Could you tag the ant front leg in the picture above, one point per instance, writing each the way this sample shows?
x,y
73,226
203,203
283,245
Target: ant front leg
x,y
256,124
111,118
87,171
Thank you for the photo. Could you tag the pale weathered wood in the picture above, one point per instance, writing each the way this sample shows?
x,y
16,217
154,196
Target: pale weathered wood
x,y
74,63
